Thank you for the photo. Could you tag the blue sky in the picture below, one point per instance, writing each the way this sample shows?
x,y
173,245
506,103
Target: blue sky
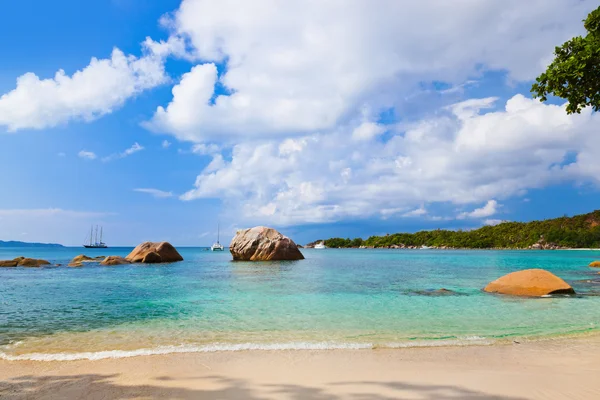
x,y
318,119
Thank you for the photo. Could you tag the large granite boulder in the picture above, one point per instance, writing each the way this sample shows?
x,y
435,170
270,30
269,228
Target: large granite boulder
x,y
263,244
114,260
154,252
530,282
595,264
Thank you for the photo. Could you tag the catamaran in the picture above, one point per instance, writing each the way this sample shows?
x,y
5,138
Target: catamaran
x,y
94,243
217,246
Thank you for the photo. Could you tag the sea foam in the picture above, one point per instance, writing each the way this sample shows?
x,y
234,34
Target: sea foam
x,y
218,347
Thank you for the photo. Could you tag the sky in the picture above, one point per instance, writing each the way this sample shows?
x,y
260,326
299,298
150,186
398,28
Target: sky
x,y
162,120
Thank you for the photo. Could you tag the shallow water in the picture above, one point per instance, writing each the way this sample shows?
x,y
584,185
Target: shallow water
x,y
334,299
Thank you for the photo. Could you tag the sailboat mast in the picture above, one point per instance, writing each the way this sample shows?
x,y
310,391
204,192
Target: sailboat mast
x,y
96,235
101,229
218,232
91,234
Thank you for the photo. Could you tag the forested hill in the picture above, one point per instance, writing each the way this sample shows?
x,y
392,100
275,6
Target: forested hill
x,y
580,231
13,243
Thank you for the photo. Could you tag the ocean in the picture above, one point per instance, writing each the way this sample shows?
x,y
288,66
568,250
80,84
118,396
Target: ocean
x,y
334,299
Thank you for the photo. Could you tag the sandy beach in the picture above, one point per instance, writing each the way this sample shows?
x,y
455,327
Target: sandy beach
x,y
550,369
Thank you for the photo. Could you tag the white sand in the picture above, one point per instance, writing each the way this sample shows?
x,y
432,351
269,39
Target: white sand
x,y
556,369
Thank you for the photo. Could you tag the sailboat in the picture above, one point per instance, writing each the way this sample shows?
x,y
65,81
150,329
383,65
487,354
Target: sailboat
x,y
217,246
94,243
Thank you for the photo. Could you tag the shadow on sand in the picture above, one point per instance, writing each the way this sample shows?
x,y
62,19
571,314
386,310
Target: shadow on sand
x,y
94,386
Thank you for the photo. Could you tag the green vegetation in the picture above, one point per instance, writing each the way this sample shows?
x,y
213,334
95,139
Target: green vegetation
x,y
581,231
575,72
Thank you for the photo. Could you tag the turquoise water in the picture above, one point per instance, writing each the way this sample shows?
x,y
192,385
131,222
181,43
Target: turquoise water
x,y
355,298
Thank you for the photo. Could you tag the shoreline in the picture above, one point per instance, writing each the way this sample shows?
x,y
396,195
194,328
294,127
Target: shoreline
x,y
592,334
558,368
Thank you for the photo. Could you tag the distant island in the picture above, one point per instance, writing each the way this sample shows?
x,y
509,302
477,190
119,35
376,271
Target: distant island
x,y
580,231
13,243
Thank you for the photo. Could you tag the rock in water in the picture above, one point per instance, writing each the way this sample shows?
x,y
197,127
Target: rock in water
x,y
595,264
530,282
152,258
32,262
8,263
81,258
263,244
114,260
164,250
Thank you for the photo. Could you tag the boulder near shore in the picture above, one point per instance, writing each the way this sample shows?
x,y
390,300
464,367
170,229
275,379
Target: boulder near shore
x,y
154,252
23,262
263,244
595,264
529,282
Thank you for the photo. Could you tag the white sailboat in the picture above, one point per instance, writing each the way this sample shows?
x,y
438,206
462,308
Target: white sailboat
x,y
217,246
94,243
320,245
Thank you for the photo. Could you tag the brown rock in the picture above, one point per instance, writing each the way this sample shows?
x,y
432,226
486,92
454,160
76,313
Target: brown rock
x,y
530,282
152,258
595,264
75,264
114,260
263,244
81,258
8,263
32,262
164,250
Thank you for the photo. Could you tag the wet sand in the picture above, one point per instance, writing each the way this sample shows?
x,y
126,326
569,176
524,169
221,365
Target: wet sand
x,y
550,369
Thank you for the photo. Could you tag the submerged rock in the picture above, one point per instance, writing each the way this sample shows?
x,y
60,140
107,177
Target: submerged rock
x,y
595,264
114,260
163,252
263,244
437,292
530,282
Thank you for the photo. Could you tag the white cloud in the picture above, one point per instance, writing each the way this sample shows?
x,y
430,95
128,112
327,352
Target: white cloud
x,y
456,157
87,155
159,194
367,131
133,149
489,209
205,148
302,67
493,222
165,144
416,212
96,90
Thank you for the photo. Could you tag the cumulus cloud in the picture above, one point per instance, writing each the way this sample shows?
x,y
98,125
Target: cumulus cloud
x,y
159,194
297,68
489,209
455,156
89,155
98,89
